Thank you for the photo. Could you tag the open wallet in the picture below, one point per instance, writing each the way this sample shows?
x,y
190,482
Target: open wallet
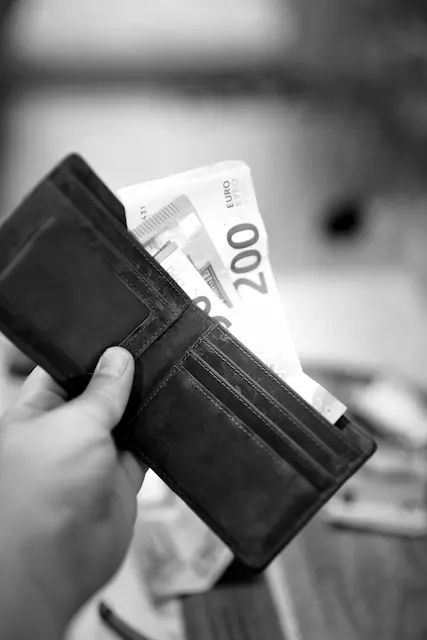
x,y
242,449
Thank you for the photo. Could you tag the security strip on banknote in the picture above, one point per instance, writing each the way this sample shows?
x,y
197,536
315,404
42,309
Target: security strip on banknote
x,y
211,216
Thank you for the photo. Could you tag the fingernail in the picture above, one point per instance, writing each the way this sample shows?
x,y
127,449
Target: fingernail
x,y
114,362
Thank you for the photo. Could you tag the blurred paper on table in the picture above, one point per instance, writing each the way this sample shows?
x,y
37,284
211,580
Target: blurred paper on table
x,y
178,554
212,215
387,496
396,409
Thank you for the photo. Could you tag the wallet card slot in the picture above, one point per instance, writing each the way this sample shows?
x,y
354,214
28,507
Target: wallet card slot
x,y
283,393
154,366
248,414
282,418
226,473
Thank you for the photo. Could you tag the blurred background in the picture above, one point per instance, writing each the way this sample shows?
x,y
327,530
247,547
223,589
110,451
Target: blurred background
x,y
325,100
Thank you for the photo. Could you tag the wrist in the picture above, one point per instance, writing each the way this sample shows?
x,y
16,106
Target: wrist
x,y
28,607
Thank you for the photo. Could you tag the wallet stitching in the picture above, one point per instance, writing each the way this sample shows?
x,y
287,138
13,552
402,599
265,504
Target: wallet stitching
x,y
115,270
121,257
121,276
154,314
104,239
320,501
147,402
132,335
233,542
139,277
146,324
228,538
54,347
301,454
178,314
165,381
307,407
152,336
126,234
143,326
239,423
270,399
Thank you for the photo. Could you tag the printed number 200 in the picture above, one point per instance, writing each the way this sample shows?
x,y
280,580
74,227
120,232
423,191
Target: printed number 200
x,y
246,260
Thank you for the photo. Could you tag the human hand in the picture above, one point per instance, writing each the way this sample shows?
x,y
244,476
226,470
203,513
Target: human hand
x,y
67,496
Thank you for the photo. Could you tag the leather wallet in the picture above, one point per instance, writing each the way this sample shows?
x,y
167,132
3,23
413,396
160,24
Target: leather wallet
x,y
250,457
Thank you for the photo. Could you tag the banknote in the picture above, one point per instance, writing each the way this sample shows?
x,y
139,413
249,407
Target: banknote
x,y
222,199
225,201
182,270
180,222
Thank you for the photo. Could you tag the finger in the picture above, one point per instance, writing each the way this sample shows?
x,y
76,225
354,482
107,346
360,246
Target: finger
x,y
16,363
39,393
106,397
134,470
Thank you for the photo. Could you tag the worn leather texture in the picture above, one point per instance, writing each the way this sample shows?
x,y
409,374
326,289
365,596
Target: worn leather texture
x,y
252,458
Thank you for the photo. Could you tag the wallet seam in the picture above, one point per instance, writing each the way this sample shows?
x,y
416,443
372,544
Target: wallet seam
x,y
239,423
229,539
165,381
174,318
164,326
97,228
294,395
323,497
257,387
316,468
125,233
122,258
145,324
154,335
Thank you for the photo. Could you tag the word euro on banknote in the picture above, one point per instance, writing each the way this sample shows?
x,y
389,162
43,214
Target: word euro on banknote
x,y
220,203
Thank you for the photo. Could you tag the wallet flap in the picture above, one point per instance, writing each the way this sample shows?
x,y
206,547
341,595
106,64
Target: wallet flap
x,y
65,287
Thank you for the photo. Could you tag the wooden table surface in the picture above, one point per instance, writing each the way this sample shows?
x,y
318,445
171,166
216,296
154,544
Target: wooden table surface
x,y
357,586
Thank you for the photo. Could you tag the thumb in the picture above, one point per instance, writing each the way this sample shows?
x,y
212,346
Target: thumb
x,y
107,394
